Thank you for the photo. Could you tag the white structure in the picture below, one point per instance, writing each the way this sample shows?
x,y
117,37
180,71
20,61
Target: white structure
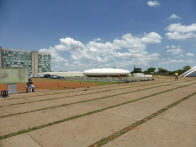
x,y
141,75
106,72
190,73
65,74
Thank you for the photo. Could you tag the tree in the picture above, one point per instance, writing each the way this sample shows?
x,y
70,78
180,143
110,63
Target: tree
x,y
186,68
162,71
150,70
137,70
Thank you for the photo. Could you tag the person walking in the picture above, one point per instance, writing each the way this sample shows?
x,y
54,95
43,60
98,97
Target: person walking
x,y
176,76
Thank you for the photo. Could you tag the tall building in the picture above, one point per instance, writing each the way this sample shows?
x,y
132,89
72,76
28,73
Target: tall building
x,y
34,61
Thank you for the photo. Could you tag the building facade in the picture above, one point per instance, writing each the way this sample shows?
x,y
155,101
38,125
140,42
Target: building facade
x,y
34,61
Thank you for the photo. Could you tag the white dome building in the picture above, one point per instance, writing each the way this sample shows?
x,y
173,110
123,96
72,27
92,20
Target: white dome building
x,y
106,72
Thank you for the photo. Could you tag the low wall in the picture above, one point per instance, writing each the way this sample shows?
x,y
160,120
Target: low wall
x,y
13,75
110,79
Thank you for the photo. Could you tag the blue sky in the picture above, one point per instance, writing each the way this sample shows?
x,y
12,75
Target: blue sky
x,y
83,34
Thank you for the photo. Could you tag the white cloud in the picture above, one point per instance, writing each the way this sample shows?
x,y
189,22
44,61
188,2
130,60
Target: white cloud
x,y
174,16
72,54
180,36
69,44
97,39
190,54
172,46
44,51
181,32
154,3
176,56
174,49
151,38
174,61
182,28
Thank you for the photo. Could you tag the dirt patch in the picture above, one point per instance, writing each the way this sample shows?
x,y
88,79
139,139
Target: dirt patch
x,y
50,84
3,86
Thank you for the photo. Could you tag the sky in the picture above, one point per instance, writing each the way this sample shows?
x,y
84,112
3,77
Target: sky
x,y
84,34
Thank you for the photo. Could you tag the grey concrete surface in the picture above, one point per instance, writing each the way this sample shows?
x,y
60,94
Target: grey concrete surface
x,y
168,129
24,121
19,141
158,133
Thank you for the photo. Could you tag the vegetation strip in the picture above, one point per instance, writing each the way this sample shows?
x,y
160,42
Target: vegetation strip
x,y
81,90
85,114
58,92
73,91
62,105
138,123
74,95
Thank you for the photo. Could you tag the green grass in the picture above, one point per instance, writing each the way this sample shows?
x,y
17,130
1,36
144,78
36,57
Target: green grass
x,y
68,104
99,83
57,92
75,95
67,91
89,113
81,81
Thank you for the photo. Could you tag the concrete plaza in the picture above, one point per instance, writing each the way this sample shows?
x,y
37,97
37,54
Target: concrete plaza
x,y
84,116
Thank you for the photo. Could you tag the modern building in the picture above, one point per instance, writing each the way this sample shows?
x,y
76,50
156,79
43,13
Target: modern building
x,y
34,61
106,72
190,73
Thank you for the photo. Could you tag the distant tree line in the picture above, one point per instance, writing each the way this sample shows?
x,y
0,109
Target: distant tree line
x,y
161,71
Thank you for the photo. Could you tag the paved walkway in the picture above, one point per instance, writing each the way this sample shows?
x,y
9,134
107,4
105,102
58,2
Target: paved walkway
x,y
83,117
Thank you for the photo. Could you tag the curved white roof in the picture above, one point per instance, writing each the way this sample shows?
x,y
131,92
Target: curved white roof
x,y
106,72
